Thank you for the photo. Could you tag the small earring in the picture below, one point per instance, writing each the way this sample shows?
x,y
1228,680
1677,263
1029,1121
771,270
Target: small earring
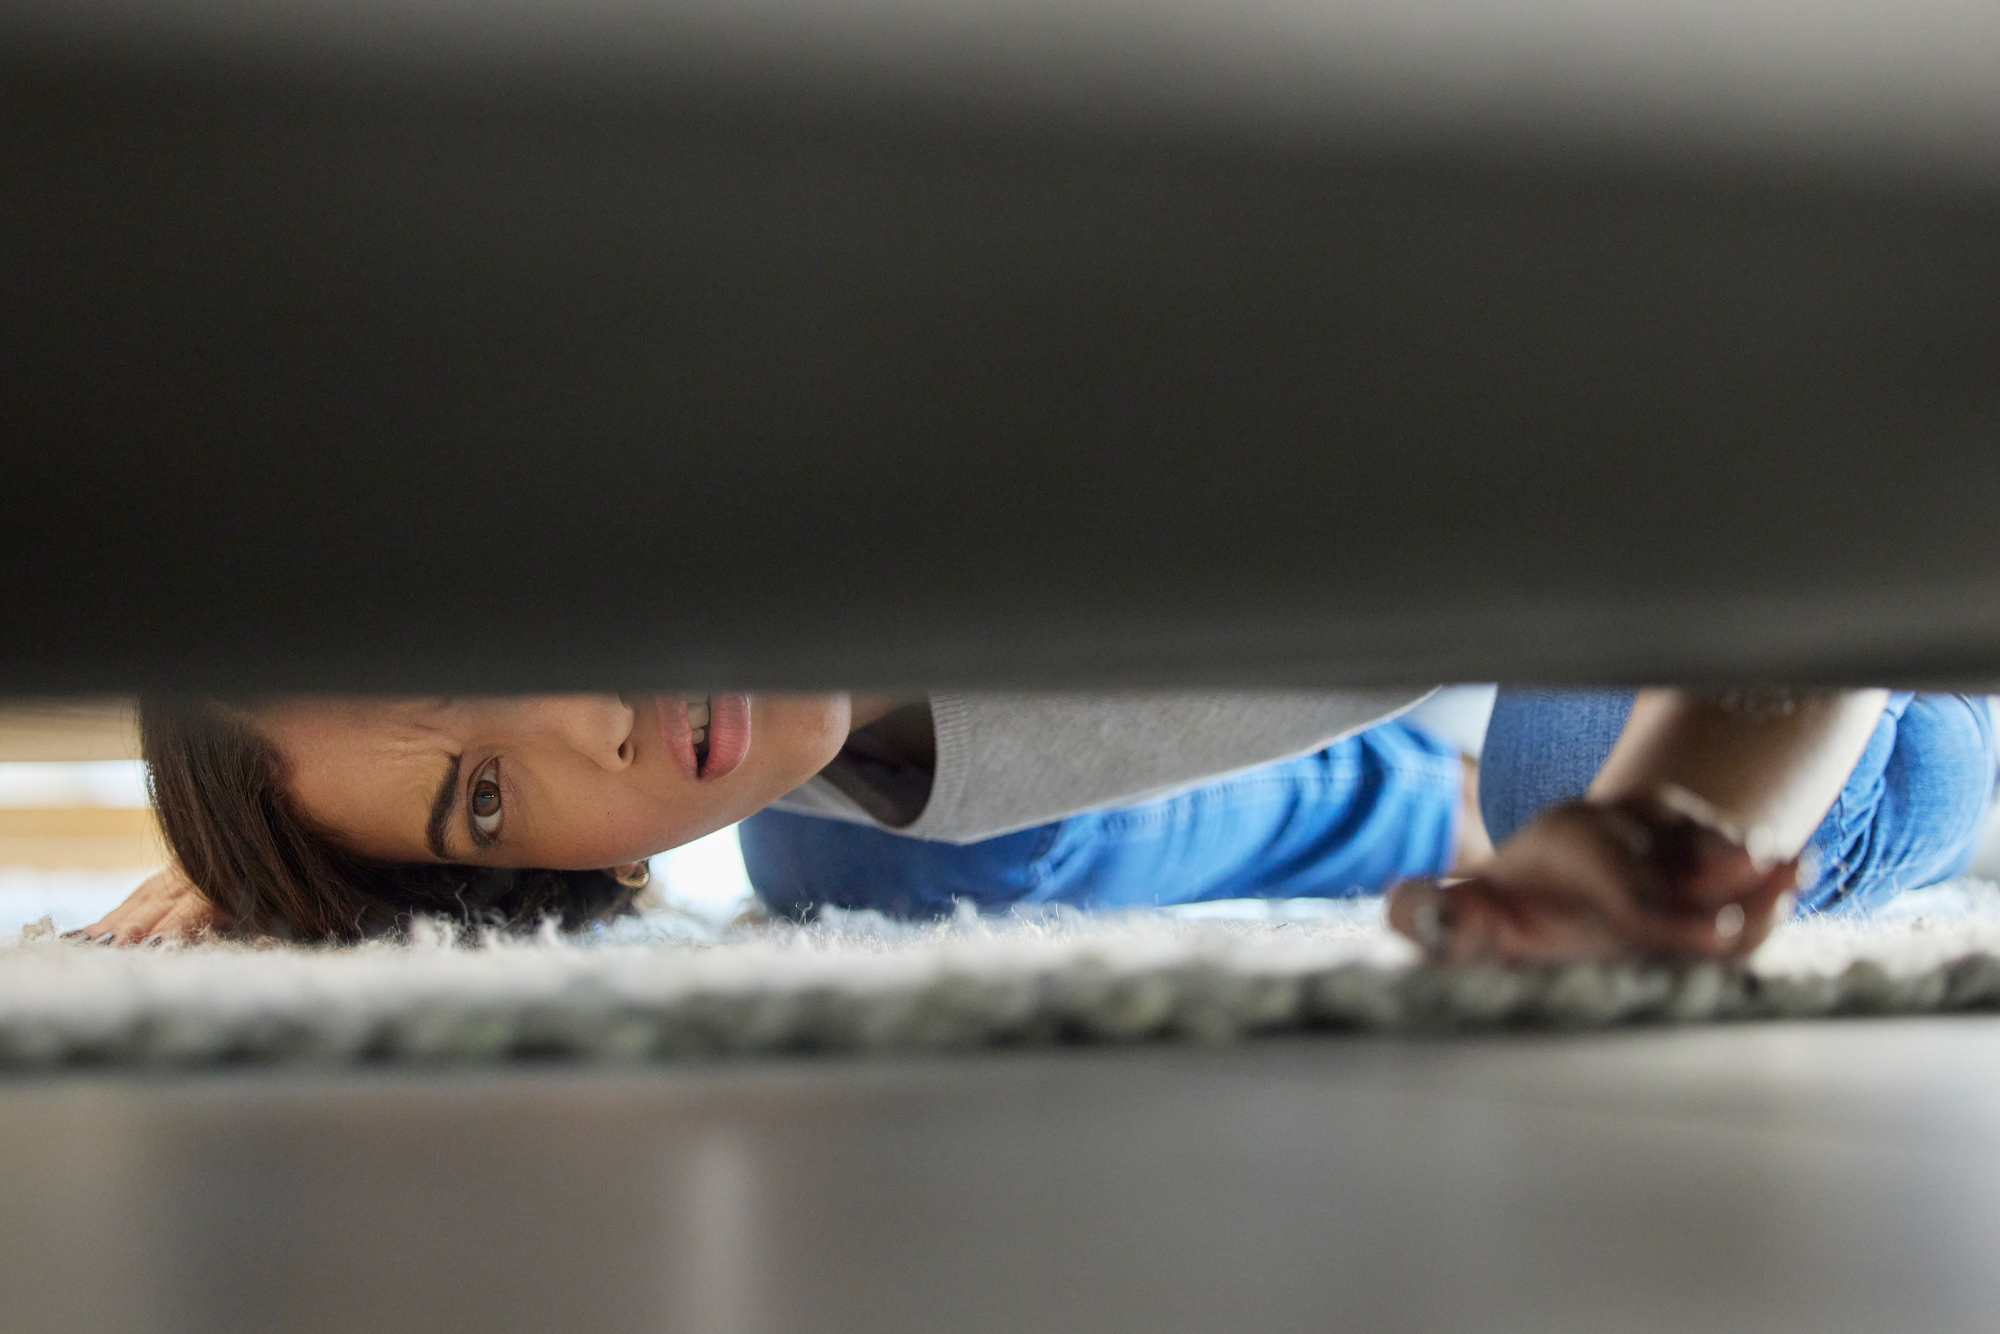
x,y
636,876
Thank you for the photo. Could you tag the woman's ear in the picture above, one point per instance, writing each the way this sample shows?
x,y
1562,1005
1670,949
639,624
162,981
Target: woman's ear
x,y
638,876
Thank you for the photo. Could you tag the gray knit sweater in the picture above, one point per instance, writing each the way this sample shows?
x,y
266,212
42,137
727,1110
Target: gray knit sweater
x,y
1009,761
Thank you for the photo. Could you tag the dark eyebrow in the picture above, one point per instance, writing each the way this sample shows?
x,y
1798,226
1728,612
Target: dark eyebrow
x,y
441,808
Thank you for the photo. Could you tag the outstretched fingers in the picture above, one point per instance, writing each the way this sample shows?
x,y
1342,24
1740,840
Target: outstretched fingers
x,y
165,906
1469,921
1562,908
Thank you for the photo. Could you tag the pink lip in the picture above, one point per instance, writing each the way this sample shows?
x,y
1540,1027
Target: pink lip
x,y
728,734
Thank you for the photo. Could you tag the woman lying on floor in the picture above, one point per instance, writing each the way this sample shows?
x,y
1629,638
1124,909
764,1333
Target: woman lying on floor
x,y
1657,823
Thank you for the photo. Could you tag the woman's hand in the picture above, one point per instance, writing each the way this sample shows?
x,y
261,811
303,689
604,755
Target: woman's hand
x,y
165,906
1602,881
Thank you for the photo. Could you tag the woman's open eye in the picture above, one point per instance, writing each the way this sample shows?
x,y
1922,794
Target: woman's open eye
x,y
484,801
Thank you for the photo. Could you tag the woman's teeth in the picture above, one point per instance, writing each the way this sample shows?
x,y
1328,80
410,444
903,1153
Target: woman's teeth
x,y
698,720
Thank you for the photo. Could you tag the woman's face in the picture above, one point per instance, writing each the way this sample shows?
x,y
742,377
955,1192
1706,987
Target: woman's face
x,y
567,782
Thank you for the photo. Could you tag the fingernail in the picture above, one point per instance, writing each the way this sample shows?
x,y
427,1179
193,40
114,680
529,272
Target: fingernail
x,y
1787,903
106,938
1729,921
1430,922
78,934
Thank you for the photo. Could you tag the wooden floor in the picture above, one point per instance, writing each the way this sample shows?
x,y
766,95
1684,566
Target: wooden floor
x,y
1825,1179
92,837
68,729
79,836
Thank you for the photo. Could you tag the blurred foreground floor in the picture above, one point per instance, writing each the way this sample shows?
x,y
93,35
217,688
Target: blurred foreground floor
x,y
1828,1177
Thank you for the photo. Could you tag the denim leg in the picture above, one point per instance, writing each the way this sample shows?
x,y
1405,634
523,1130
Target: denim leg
x,y
1907,816
1910,814
1542,748
1345,820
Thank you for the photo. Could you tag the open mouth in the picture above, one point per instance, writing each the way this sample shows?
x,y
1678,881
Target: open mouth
x,y
718,732
698,721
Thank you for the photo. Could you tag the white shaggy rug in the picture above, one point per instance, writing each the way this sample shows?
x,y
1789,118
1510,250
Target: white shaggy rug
x,y
674,987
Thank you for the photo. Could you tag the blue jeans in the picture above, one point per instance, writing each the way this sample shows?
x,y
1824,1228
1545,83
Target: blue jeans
x,y
1344,821
1907,817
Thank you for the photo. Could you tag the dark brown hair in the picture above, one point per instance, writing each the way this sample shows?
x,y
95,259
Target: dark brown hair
x,y
219,787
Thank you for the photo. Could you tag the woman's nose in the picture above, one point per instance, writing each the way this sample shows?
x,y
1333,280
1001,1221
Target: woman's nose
x,y
596,726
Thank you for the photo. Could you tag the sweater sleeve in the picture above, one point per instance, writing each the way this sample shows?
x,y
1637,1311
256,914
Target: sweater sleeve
x,y
1010,761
